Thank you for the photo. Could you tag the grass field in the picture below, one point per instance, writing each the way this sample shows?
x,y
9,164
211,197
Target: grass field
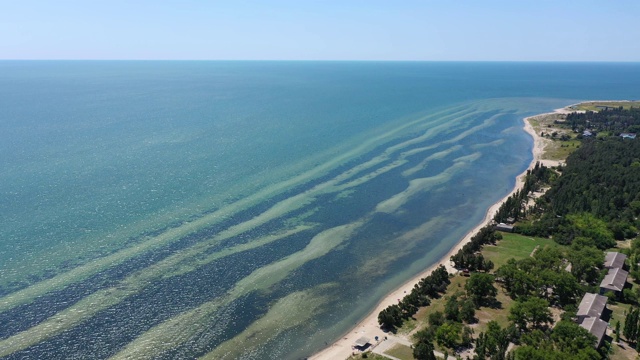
x,y
401,352
560,150
500,315
514,246
368,355
554,149
484,314
593,106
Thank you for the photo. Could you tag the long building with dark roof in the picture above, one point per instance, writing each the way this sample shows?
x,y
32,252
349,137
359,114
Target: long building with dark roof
x,y
614,260
592,305
596,327
614,281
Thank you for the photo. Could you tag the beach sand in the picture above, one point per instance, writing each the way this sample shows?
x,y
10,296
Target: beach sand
x,y
369,327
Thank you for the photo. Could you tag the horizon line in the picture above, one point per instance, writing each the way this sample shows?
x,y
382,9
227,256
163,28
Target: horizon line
x,y
340,60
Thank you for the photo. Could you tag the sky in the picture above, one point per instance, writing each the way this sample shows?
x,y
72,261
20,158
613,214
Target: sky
x,y
414,30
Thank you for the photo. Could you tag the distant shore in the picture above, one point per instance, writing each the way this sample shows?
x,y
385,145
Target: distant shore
x,y
368,327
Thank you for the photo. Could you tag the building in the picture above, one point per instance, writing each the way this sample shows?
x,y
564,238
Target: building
x,y
614,260
362,343
592,305
614,281
590,316
504,227
596,327
628,135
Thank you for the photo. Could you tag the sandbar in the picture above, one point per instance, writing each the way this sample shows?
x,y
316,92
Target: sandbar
x,y
368,327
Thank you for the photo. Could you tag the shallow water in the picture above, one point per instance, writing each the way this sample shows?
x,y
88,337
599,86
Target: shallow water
x,y
248,210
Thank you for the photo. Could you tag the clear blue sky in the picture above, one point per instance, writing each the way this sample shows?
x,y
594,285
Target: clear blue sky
x,y
519,30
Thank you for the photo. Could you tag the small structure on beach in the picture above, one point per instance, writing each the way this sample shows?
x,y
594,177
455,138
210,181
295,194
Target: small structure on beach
x,y
362,343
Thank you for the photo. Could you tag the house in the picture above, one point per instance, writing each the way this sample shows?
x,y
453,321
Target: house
x,y
587,133
596,327
614,281
590,315
504,227
592,305
628,135
614,260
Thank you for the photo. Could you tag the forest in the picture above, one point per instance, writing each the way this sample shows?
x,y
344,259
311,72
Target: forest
x,y
611,120
597,196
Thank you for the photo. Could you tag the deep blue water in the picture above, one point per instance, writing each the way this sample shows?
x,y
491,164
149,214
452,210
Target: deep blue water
x,y
172,209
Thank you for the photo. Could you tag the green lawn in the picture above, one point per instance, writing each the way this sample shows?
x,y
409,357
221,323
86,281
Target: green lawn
x,y
513,246
484,314
400,351
501,315
457,284
560,150
369,355
554,149
592,105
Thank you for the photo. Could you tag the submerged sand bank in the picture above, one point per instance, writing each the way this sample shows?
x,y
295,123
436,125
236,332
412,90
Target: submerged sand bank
x,y
369,327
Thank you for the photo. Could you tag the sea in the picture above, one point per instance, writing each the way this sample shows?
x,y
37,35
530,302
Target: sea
x,y
247,210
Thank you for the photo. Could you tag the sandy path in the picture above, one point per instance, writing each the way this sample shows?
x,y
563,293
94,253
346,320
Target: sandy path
x,y
369,327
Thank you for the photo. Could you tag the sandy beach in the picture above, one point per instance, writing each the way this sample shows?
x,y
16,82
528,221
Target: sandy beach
x,y
369,327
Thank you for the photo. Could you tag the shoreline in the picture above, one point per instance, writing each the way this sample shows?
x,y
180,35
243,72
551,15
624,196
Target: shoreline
x,y
342,348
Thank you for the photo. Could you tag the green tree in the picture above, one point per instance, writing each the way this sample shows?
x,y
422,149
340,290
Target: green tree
x,y
585,262
436,318
448,334
588,225
549,258
533,312
516,282
391,317
531,353
569,337
566,288
468,312
451,310
423,351
493,343
630,330
480,289
466,339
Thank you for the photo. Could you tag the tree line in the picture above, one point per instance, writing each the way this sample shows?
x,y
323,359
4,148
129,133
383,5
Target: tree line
x,y
430,286
598,195
614,120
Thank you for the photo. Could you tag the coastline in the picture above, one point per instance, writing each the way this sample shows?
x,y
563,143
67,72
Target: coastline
x,y
368,327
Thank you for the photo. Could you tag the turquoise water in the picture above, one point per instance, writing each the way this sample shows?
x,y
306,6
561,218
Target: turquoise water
x,y
249,210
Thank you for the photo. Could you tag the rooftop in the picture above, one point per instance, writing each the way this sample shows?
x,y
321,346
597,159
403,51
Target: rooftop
x,y
615,279
362,342
628,135
614,260
595,327
592,305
